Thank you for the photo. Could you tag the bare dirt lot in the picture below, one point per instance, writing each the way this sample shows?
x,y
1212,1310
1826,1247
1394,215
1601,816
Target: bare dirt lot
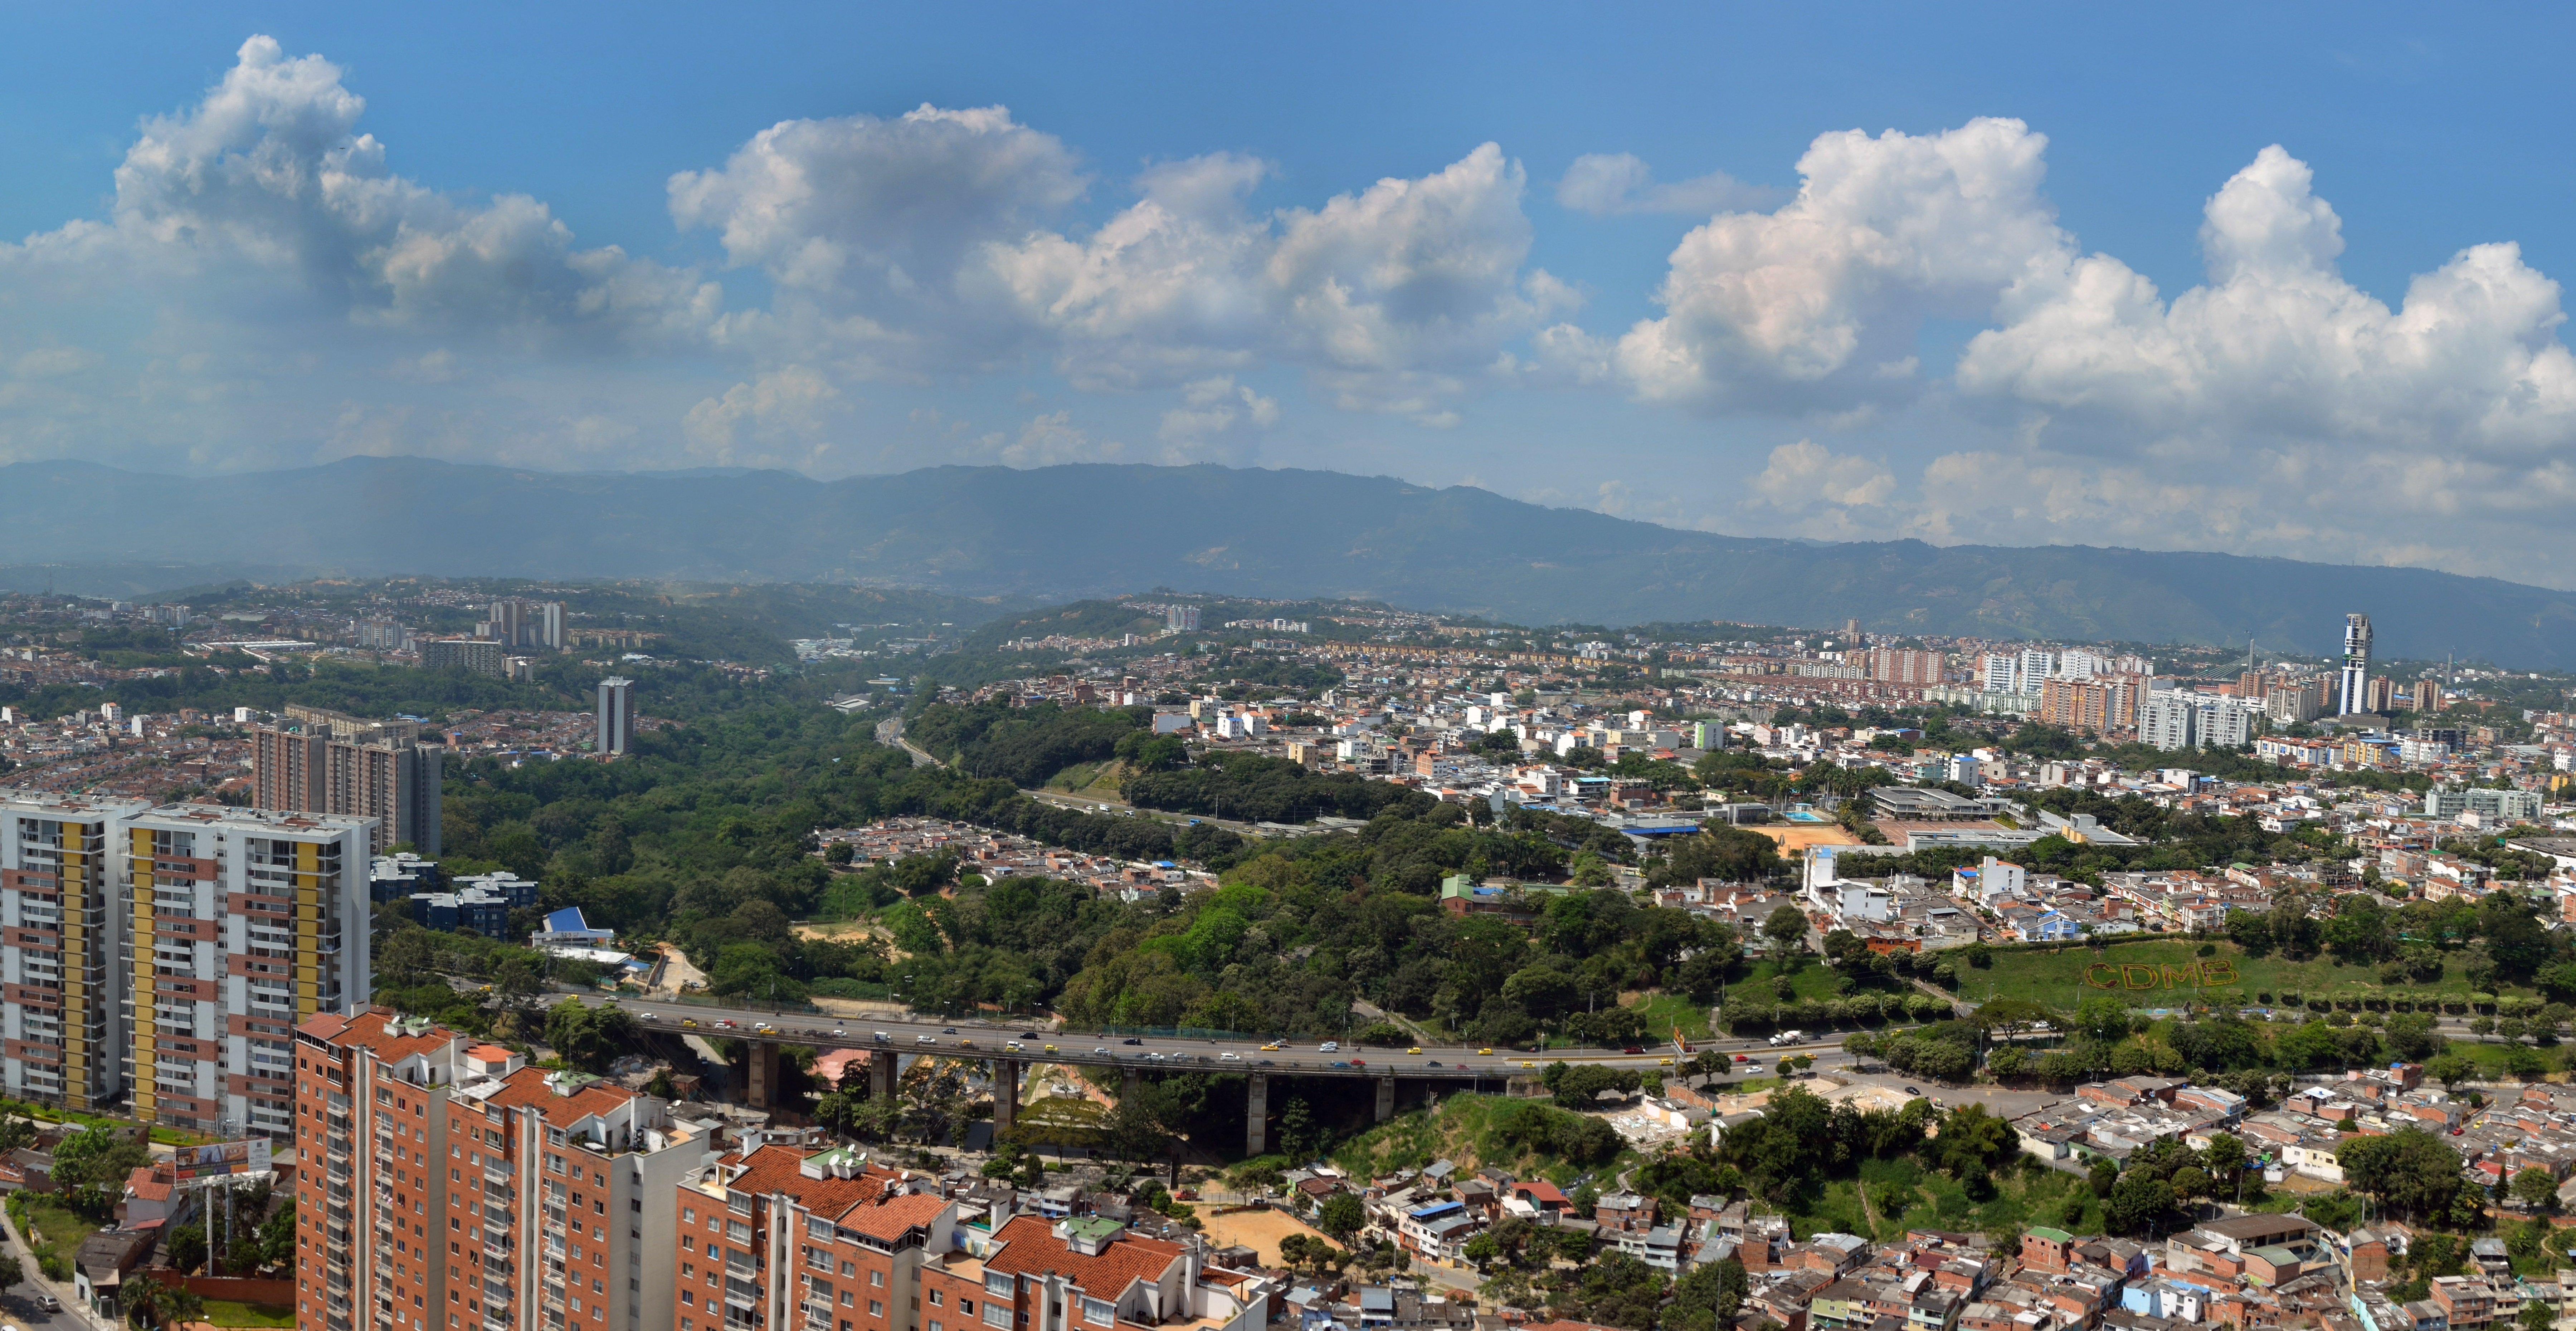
x,y
1257,1230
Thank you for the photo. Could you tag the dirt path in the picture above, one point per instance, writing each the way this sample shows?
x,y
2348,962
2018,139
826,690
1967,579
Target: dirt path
x,y
676,971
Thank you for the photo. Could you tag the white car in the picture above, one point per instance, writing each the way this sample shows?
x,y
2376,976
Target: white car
x,y
1329,1047
1231,1057
925,1039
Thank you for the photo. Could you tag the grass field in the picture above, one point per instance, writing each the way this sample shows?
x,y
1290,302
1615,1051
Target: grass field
x,y
50,1228
2060,978
225,1312
1664,1011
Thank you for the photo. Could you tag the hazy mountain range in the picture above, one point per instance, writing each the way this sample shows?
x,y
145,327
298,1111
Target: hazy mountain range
x,y
1060,532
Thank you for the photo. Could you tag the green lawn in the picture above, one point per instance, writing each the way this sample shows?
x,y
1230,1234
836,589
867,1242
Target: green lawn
x,y
1811,978
2155,971
224,1312
1664,1011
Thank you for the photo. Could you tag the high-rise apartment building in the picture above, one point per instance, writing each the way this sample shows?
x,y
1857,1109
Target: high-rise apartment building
x,y
787,1239
450,1186
2425,695
2095,705
480,655
62,967
1181,618
2353,695
515,622
322,761
2034,667
1898,665
616,720
2296,700
244,924
2174,719
1997,673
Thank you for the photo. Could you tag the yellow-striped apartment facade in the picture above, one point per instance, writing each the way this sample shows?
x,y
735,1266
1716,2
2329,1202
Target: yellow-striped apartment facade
x,y
243,924
62,959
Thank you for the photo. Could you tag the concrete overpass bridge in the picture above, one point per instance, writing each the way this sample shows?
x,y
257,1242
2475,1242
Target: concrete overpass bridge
x,y
1011,1047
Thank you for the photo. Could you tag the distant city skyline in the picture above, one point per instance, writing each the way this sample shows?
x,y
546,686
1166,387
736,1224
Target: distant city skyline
x,y
2252,283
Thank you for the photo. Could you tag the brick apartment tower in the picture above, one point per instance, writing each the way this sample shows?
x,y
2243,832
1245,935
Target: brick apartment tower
x,y
62,967
322,761
449,1186
245,923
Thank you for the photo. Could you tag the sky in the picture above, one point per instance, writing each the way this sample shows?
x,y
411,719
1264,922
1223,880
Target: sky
x,y
2274,280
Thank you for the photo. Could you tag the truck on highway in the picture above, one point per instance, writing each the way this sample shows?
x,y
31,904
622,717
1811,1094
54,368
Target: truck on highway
x,y
1787,1038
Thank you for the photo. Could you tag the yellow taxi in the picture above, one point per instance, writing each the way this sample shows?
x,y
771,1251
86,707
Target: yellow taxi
x,y
1663,1062
1270,1048
688,1021
1484,1053
1414,1050
1050,1049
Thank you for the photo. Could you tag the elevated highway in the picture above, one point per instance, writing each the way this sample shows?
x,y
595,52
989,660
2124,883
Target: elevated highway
x,y
1011,1047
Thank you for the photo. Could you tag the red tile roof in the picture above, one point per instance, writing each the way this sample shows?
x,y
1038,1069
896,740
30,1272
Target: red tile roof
x,y
143,1186
527,1089
1028,1246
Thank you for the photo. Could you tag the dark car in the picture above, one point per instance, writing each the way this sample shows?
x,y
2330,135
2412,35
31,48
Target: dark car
x,y
948,1030
1632,1049
1911,1091
1028,1035
1131,1040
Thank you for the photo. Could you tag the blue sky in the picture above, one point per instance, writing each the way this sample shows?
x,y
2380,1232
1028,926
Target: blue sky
x,y
2277,281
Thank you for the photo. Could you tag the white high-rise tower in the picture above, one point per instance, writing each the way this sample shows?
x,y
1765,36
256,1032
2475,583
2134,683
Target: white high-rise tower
x,y
2355,685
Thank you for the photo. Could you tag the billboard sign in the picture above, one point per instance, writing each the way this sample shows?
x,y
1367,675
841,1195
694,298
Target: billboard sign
x,y
222,1160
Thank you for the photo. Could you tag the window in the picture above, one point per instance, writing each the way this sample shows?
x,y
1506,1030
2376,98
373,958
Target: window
x,y
688,1215
877,1278
936,1298
875,1309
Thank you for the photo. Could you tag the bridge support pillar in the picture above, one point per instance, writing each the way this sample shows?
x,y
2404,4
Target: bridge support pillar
x,y
882,1073
1385,1098
761,1089
1128,1080
1006,1094
1256,1115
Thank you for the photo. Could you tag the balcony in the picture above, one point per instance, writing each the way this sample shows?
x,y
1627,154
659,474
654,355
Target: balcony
x,y
495,1251
497,1174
